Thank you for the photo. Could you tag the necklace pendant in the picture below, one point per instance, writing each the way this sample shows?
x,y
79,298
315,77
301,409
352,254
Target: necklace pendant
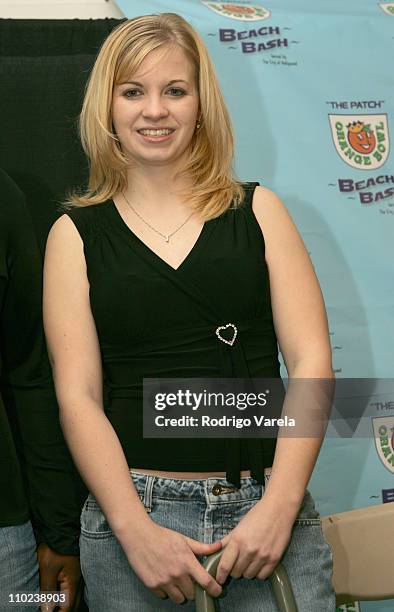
x,y
165,236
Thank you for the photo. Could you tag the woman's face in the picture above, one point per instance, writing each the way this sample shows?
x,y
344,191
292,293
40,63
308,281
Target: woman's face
x,y
154,113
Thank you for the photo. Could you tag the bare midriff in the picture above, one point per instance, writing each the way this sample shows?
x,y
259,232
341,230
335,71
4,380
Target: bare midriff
x,y
190,475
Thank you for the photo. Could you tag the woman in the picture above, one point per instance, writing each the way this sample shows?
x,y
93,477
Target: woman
x,y
163,250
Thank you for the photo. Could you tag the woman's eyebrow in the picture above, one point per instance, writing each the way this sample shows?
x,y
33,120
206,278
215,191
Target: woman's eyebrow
x,y
141,85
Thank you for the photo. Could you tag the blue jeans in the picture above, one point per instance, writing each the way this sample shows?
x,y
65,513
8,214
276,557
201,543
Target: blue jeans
x,y
18,566
206,513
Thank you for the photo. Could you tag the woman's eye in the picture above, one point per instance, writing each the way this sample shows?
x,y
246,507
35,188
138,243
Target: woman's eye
x,y
131,93
173,91
176,91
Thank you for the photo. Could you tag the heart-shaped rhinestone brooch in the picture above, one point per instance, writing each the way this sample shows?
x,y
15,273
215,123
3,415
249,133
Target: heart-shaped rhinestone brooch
x,y
222,328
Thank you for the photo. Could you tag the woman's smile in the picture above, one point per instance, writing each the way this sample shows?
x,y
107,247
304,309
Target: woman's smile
x,y
156,134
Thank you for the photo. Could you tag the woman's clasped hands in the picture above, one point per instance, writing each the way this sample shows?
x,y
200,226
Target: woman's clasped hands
x,y
256,545
166,562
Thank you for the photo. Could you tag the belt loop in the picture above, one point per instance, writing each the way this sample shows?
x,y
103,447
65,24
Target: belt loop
x,y
267,475
148,493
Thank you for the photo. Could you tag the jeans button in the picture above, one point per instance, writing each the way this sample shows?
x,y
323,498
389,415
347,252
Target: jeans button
x,y
216,489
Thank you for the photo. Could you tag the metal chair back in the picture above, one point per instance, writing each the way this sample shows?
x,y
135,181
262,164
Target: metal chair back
x,y
279,580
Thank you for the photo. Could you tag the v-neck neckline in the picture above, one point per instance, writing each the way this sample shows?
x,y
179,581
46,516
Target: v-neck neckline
x,y
196,248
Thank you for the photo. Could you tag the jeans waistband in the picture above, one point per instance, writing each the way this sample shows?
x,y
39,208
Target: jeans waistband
x,y
212,490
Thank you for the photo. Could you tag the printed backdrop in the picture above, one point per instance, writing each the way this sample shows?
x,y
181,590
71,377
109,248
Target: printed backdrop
x,y
310,89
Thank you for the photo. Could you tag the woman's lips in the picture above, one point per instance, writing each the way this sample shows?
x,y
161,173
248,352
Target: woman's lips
x,y
150,137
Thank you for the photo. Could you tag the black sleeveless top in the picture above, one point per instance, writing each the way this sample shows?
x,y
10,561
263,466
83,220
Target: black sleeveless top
x,y
157,322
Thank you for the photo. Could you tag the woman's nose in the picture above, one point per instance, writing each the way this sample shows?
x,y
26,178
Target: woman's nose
x,y
154,107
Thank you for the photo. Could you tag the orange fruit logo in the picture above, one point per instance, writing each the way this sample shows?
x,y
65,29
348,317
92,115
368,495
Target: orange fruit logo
x,y
361,140
361,137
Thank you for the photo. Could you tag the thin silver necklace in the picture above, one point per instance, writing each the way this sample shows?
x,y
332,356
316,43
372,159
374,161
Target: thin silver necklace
x,y
165,236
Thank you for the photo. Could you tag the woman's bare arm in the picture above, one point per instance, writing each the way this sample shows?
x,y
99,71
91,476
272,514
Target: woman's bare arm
x,y
258,542
75,356
163,559
301,327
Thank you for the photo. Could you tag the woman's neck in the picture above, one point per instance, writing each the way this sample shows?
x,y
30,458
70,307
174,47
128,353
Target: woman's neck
x,y
156,188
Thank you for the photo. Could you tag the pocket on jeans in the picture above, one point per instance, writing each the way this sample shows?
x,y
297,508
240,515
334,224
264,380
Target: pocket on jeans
x,y
93,522
308,515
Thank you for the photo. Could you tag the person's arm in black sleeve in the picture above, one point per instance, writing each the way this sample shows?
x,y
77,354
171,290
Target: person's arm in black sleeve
x,y
55,491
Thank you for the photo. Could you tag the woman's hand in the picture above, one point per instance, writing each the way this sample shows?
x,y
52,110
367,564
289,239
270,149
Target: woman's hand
x,y
256,545
165,561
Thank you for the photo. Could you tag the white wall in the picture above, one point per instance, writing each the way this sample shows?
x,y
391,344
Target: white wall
x,y
59,9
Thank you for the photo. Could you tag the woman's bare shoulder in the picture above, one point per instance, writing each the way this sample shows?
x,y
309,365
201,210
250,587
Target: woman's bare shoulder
x,y
266,201
273,217
82,220
65,247
63,231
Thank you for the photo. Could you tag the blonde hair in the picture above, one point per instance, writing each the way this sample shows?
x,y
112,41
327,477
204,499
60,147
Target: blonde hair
x,y
210,162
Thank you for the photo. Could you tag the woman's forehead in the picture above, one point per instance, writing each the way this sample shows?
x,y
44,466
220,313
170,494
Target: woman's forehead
x,y
171,63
